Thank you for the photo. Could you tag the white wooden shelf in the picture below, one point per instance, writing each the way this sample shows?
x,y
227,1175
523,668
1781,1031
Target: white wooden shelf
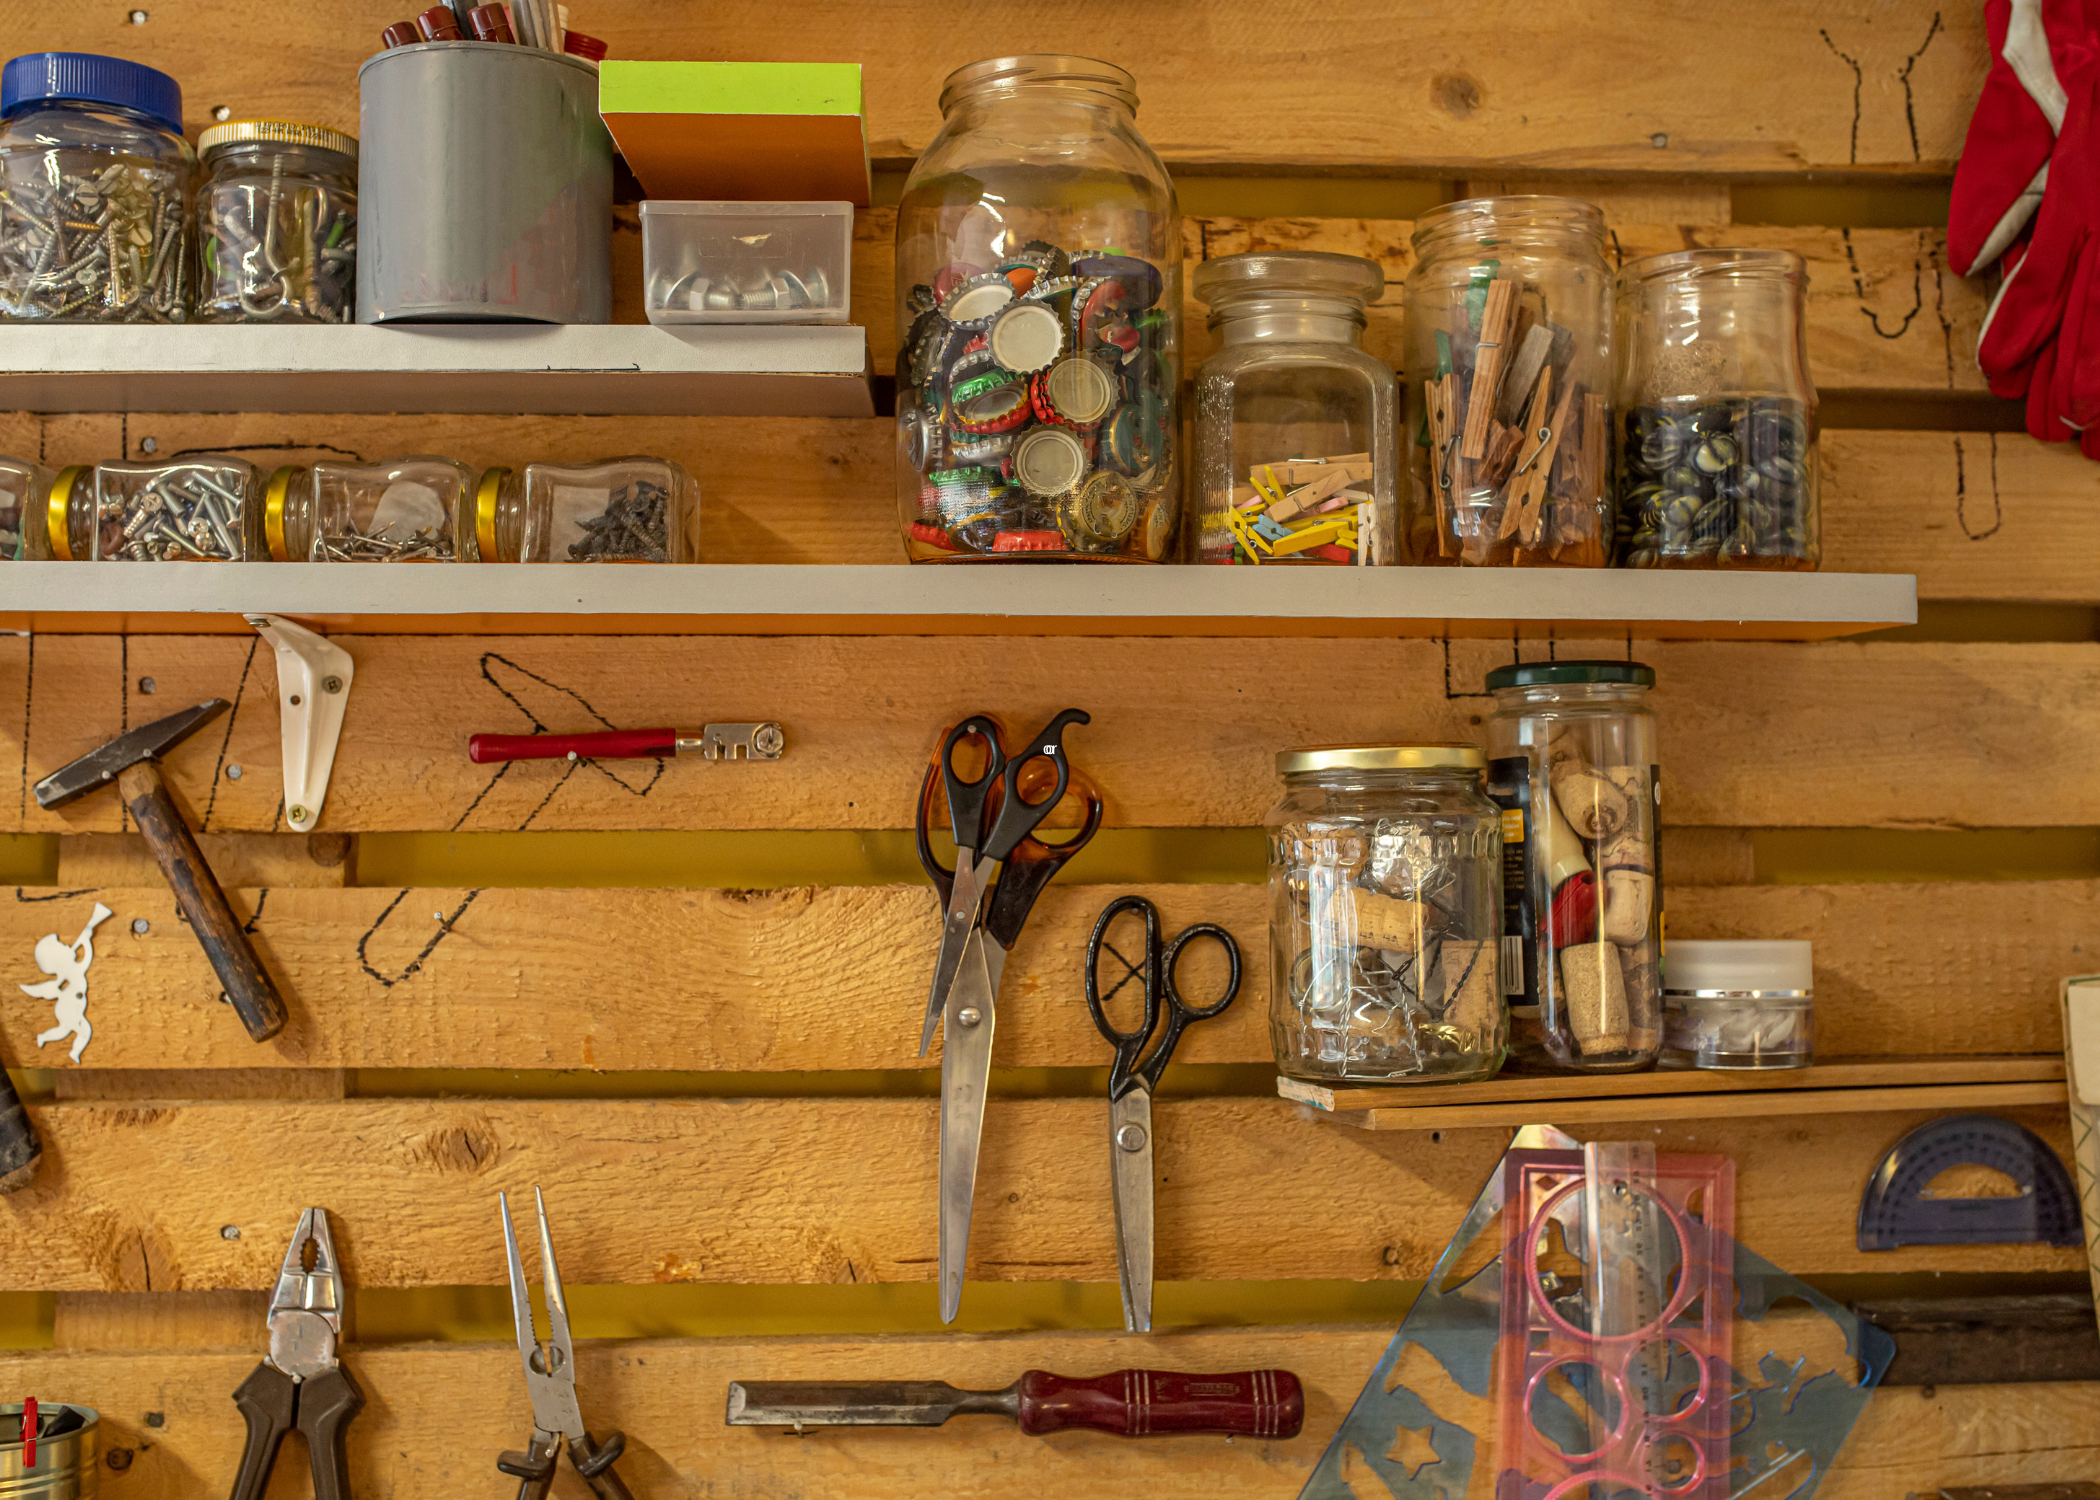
x,y
736,370
1008,599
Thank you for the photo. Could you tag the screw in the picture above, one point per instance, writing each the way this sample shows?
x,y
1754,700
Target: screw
x,y
138,18
140,926
221,112
233,773
120,1459
437,916
1131,1137
298,815
295,700
145,684
224,998
1659,141
331,684
229,1231
149,445
969,1015
767,740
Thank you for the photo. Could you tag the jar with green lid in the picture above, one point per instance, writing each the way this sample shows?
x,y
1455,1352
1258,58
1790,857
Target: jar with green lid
x,y
411,509
1573,765
636,509
277,224
1385,915
1296,429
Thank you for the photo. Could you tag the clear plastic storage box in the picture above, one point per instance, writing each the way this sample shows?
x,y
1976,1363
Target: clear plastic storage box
x,y
747,262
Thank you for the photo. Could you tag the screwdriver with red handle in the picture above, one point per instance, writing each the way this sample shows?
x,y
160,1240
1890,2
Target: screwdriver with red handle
x,y
1128,1403
760,741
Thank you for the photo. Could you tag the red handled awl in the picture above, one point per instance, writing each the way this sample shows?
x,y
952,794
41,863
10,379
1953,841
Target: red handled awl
x,y
713,742
1128,1403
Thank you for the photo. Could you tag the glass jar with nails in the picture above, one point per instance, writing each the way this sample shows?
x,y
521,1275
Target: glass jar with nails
x,y
203,508
636,509
94,184
1717,437
401,510
1385,914
277,224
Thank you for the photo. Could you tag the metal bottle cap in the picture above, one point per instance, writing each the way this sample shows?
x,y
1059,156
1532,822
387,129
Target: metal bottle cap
x,y
1078,390
1026,337
1049,460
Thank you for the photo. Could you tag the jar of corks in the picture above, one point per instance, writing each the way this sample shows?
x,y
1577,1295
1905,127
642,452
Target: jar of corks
x,y
1572,762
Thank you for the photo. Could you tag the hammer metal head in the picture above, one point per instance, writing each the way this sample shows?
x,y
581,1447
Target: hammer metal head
x,y
147,742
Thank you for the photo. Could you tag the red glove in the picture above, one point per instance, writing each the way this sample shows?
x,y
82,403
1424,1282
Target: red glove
x,y
2005,161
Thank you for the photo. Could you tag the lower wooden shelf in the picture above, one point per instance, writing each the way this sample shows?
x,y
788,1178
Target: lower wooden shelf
x,y
1839,1086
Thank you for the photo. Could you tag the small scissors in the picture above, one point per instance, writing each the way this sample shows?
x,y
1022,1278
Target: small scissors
x,y
1131,1082
967,972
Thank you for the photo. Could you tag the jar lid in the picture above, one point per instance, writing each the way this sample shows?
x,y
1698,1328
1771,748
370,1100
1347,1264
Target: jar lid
x,y
1569,674
1777,968
1294,273
486,494
1055,68
90,78
1502,217
1452,757
1717,261
275,133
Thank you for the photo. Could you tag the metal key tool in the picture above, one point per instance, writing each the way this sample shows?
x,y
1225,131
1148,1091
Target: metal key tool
x,y
301,1383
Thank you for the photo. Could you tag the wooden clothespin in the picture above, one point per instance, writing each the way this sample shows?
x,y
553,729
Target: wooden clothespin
x,y
1487,366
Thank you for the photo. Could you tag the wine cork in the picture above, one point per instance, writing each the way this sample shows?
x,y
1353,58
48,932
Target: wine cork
x,y
1370,920
1641,975
1629,900
1593,805
1474,986
1595,990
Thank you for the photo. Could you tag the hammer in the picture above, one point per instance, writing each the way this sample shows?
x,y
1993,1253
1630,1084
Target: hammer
x,y
132,761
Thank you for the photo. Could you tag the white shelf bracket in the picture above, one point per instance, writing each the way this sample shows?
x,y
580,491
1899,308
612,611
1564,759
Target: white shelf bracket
x,y
313,689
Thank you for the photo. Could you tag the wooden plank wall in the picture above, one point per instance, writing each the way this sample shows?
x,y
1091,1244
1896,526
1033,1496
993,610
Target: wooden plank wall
x,y
180,1155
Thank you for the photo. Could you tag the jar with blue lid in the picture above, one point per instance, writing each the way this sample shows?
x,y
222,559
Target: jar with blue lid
x,y
94,182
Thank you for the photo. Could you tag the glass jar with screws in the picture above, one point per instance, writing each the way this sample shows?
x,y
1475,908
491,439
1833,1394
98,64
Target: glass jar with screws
x,y
277,224
1508,350
1385,915
1296,426
402,510
1574,768
1717,437
638,509
1039,321
198,509
25,492
94,178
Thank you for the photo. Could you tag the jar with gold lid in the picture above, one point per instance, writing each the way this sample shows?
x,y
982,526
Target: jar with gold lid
x,y
635,509
401,510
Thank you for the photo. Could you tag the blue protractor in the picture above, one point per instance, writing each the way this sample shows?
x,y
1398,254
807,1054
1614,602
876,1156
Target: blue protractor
x,y
1894,1210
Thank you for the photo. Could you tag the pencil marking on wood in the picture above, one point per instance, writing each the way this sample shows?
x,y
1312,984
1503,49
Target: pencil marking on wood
x,y
445,926
218,770
1910,103
492,659
22,895
1859,285
1853,64
28,697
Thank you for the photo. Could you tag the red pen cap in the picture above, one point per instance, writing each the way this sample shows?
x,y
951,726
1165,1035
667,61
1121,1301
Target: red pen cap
x,y
576,44
438,24
400,34
491,23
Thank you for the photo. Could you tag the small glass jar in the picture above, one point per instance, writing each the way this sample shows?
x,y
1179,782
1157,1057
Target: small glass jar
x,y
1296,425
277,224
94,183
62,528
404,510
204,508
637,510
1572,763
1717,442
1385,909
1508,324
1740,1004
1039,318
25,497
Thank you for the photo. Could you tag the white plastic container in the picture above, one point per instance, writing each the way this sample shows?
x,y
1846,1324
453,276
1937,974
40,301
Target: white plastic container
x,y
747,262
1739,1004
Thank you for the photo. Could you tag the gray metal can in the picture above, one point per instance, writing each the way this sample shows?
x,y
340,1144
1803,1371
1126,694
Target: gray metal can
x,y
484,187
66,1451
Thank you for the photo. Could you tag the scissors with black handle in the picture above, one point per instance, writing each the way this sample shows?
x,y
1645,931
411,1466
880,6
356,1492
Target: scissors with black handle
x,y
1134,1077
1030,784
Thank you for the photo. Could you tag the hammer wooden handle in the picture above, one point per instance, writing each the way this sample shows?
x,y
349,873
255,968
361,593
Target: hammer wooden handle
x,y
198,895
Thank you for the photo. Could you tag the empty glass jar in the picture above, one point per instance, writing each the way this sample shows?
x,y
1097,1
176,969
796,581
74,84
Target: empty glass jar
x,y
1717,439
638,509
402,510
277,224
1038,314
1508,349
1574,768
1296,425
94,185
1385,915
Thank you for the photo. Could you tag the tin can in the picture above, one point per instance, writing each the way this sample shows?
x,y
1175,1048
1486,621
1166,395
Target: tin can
x,y
67,1451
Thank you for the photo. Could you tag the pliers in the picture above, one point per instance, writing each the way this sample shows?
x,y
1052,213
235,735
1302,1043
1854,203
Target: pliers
x,y
300,1383
550,1379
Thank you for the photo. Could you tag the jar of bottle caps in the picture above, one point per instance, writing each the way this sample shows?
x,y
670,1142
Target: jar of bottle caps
x,y
1385,915
1741,1004
638,509
1574,768
1508,347
94,177
277,224
1038,312
1717,425
205,508
402,510
1296,426
25,491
